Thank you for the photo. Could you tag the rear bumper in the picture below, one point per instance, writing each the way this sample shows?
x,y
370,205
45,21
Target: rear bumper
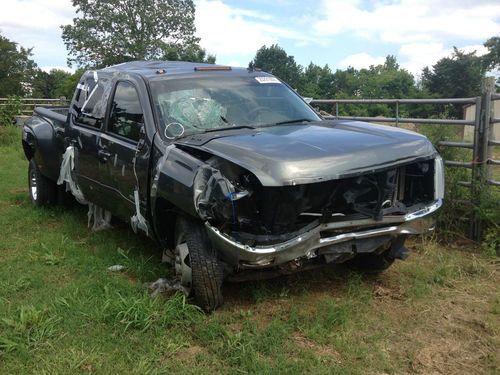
x,y
308,243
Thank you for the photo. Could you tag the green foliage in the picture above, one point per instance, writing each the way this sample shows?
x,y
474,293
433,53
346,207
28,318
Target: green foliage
x,y
69,85
27,328
489,213
142,312
449,226
115,31
491,243
387,80
382,81
193,53
17,69
492,59
457,76
51,84
9,110
276,61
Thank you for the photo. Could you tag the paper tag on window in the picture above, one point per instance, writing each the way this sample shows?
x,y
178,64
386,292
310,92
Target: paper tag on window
x,y
267,80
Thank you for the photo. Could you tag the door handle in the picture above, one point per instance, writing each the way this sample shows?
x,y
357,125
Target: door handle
x,y
103,155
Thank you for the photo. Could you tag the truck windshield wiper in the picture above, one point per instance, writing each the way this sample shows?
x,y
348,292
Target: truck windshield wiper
x,y
290,121
229,128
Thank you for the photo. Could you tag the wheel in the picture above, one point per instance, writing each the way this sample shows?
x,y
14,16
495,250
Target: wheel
x,y
196,264
43,192
65,198
379,262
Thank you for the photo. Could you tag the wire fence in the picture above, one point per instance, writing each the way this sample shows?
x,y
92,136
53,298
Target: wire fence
x,y
482,144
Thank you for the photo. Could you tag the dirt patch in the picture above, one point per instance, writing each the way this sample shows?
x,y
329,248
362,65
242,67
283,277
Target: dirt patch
x,y
18,190
451,335
235,327
320,350
189,353
383,292
86,367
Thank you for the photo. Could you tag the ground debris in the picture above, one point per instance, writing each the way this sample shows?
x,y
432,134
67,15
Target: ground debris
x,y
163,285
116,268
100,216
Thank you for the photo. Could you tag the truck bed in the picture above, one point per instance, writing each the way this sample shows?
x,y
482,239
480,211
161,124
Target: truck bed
x,y
55,115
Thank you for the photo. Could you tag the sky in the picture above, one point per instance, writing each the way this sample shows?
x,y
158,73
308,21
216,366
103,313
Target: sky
x,y
338,33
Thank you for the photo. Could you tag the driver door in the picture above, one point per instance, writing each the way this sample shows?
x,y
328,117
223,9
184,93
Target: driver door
x,y
124,143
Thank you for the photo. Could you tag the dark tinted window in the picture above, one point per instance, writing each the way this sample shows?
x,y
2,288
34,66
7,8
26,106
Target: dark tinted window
x,y
126,118
90,100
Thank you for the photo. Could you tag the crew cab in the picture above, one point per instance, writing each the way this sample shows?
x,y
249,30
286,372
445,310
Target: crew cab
x,y
232,173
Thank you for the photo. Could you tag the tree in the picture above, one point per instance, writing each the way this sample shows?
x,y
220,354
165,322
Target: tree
x,y
109,32
276,61
387,80
51,84
457,76
17,69
316,82
492,58
192,53
69,85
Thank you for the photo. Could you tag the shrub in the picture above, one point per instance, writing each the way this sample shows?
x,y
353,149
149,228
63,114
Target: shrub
x,y
9,110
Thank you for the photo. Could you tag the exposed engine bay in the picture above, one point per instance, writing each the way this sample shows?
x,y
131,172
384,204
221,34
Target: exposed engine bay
x,y
233,200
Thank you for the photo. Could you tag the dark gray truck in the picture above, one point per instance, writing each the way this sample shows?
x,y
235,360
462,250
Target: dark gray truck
x,y
232,172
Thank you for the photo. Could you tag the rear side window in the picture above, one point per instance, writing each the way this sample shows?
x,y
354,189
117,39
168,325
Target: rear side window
x,y
126,117
90,100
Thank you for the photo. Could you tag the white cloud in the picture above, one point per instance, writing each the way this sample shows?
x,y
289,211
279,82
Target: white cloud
x,y
35,23
415,56
38,15
412,56
235,63
411,21
47,69
360,61
230,32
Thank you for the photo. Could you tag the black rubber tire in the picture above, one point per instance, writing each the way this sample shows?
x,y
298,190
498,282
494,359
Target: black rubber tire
x,y
378,262
372,263
206,270
46,190
65,198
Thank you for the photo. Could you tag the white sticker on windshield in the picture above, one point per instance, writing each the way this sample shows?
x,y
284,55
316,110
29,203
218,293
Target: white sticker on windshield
x,y
267,80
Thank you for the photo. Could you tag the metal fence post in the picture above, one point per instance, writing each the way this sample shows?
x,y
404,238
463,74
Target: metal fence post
x,y
397,113
480,154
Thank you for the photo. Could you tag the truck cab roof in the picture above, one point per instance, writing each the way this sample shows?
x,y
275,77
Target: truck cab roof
x,y
153,69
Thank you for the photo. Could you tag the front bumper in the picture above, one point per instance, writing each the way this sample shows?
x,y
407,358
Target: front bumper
x,y
308,243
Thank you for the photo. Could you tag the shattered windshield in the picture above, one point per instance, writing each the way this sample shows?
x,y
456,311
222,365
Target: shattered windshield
x,y
194,105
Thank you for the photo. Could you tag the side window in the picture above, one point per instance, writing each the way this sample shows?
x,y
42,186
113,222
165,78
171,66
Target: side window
x,y
126,117
90,100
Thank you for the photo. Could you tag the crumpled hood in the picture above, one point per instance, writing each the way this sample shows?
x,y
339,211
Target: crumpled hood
x,y
324,150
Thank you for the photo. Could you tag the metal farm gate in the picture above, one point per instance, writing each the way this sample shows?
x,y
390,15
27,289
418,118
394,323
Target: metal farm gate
x,y
482,145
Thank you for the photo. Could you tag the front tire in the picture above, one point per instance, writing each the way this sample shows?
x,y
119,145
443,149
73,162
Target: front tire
x,y
196,264
375,263
372,263
43,192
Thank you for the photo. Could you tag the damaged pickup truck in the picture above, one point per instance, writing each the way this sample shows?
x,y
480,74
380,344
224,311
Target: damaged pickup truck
x,y
232,172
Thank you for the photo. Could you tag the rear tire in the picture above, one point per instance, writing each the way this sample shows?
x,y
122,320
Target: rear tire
x,y
206,273
43,192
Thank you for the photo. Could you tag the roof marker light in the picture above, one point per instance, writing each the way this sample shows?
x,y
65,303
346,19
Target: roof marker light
x,y
211,68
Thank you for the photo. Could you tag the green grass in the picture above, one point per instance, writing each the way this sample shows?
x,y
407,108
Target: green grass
x,y
63,312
